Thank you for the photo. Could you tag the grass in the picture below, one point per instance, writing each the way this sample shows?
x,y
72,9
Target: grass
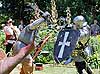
x,y
51,69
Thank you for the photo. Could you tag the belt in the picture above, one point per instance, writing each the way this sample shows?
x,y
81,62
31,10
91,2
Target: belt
x,y
12,39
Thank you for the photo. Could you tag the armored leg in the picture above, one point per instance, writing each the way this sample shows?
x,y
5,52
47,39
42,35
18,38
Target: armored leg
x,y
79,66
89,70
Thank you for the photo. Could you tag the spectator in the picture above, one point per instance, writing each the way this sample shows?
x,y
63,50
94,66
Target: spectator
x,y
11,33
95,29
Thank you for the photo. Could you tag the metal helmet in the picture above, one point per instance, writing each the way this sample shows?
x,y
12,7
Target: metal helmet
x,y
62,21
79,20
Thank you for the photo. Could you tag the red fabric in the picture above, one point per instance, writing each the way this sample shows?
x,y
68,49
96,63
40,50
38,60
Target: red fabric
x,y
8,37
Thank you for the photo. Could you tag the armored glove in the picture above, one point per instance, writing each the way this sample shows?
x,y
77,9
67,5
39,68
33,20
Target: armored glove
x,y
46,15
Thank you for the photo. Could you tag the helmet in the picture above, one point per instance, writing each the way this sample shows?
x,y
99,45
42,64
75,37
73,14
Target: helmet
x,y
62,21
79,20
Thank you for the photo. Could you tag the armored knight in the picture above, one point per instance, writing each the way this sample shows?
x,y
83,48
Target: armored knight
x,y
73,39
26,37
82,44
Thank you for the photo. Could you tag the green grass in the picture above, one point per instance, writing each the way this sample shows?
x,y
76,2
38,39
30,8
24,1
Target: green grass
x,y
57,70
51,69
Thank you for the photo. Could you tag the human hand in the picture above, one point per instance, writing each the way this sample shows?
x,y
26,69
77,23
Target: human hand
x,y
27,49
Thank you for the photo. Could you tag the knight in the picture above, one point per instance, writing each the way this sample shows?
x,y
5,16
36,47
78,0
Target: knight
x,y
81,47
26,37
72,44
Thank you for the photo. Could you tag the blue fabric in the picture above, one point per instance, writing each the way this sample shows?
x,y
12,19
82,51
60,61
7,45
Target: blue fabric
x,y
69,60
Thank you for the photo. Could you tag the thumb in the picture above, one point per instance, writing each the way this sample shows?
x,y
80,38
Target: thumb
x,y
27,49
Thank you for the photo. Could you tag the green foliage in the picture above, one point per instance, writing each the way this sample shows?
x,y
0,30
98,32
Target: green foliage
x,y
44,59
84,7
2,39
22,8
44,5
49,46
18,9
94,60
3,19
98,17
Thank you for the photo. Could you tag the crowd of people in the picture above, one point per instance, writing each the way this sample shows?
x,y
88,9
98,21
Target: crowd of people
x,y
21,41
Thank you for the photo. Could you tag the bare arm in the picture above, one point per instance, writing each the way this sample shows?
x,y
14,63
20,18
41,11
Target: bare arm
x,y
8,64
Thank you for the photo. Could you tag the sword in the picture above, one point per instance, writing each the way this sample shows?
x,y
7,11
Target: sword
x,y
40,46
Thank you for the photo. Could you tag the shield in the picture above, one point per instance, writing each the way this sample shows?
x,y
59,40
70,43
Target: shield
x,y
65,44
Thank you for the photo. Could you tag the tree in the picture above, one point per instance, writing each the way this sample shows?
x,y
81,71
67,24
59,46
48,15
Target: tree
x,y
18,9
44,5
23,8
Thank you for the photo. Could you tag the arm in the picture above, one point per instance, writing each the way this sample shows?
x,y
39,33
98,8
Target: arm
x,y
36,23
84,34
85,30
39,21
9,63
